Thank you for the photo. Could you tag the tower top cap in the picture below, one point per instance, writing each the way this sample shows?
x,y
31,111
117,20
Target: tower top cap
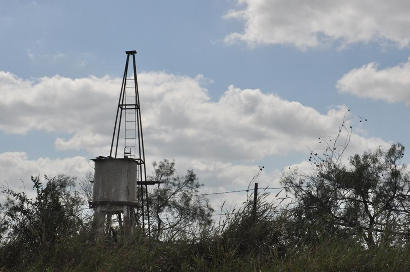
x,y
132,52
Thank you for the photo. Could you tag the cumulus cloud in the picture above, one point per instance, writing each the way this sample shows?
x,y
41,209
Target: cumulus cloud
x,y
56,104
391,84
222,140
17,168
307,24
179,119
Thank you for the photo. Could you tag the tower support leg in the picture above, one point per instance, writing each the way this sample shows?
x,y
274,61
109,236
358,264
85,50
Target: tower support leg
x,y
99,220
128,222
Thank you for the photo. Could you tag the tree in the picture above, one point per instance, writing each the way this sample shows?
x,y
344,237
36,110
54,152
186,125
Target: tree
x,y
368,198
33,226
179,211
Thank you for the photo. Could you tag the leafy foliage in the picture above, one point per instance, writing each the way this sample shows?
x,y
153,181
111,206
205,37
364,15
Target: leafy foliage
x,y
33,227
179,210
368,198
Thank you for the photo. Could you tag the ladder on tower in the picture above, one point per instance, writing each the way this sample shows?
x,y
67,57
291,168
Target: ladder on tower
x,y
130,119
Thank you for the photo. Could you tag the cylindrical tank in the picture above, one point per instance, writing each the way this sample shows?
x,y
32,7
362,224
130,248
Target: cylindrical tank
x,y
115,180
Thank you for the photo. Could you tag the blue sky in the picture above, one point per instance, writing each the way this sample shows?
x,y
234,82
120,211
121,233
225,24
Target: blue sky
x,y
299,58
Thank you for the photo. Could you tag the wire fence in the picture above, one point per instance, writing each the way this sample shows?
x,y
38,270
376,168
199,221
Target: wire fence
x,y
261,192
244,190
340,201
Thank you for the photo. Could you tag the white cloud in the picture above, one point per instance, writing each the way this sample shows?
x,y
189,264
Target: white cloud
x,y
17,168
391,84
56,104
307,24
222,140
179,119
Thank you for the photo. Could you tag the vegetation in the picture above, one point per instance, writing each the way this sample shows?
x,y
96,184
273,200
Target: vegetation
x,y
351,216
368,199
178,210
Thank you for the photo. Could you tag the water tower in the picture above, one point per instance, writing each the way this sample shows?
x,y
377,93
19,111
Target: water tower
x,y
120,184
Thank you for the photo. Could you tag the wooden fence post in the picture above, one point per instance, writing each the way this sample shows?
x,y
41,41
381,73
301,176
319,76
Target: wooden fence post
x,y
255,201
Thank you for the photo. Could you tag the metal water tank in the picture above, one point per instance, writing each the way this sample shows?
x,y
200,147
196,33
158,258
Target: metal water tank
x,y
114,181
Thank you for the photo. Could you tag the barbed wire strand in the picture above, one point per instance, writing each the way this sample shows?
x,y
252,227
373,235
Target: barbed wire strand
x,y
244,190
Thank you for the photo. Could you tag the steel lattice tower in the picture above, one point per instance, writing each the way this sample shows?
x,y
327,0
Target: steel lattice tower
x,y
128,116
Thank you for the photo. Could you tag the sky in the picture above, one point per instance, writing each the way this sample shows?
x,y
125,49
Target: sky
x,y
226,86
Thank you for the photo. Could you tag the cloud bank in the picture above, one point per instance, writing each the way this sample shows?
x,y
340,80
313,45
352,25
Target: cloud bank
x,y
222,140
17,168
179,119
